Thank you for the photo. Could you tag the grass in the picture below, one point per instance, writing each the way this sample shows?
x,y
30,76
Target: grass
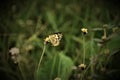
x,y
34,20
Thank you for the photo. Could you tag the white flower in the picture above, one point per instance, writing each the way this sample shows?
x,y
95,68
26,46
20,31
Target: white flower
x,y
14,51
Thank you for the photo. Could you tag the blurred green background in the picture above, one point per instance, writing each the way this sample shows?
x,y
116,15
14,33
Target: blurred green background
x,y
26,23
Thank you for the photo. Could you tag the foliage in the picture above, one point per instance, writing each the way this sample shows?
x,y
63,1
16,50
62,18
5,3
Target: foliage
x,y
27,25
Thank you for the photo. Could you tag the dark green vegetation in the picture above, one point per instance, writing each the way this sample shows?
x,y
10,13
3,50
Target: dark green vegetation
x,y
25,24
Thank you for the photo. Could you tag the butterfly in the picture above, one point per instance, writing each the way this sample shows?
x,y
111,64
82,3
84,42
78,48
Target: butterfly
x,y
54,39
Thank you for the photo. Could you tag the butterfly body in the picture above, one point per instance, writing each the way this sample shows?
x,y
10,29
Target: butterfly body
x,y
54,39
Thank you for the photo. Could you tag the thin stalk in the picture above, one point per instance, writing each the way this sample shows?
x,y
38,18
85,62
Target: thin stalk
x,y
87,68
82,74
22,73
40,60
91,52
81,78
83,48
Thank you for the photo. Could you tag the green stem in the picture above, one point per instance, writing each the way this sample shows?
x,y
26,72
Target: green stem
x,y
92,52
81,78
41,58
22,73
87,68
83,48
82,74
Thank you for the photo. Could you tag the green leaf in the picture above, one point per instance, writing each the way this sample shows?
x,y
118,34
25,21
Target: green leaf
x,y
59,65
66,66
